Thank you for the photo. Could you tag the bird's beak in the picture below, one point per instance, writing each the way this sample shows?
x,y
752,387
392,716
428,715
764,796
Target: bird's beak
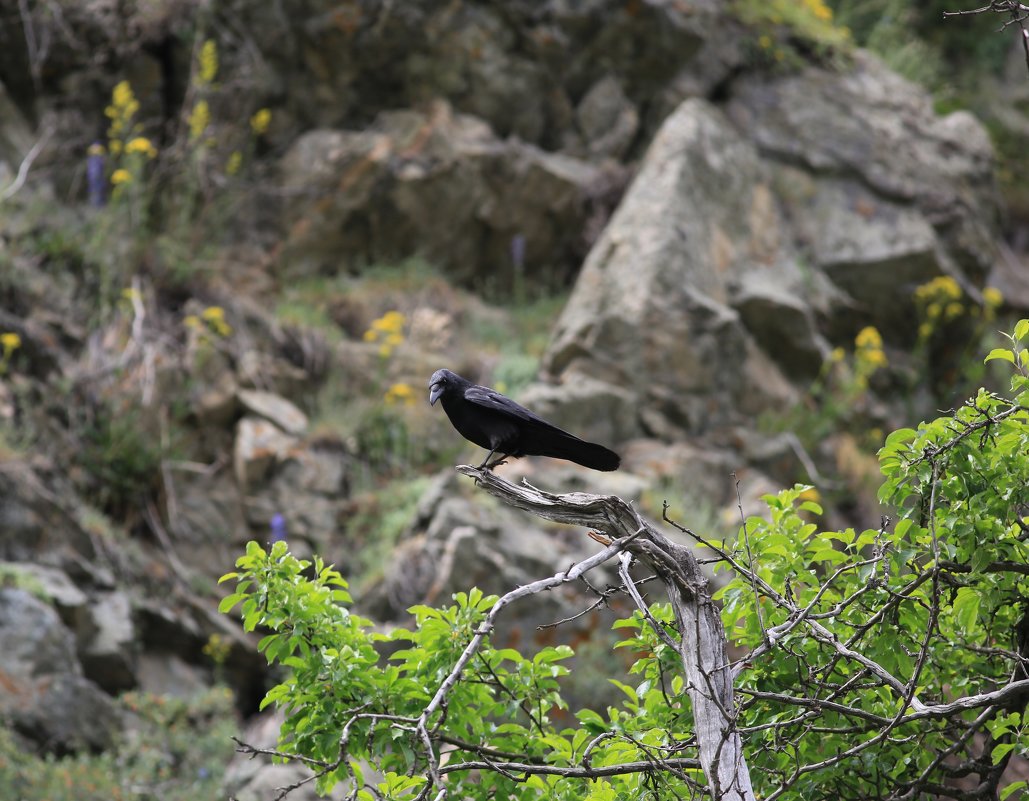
x,y
435,391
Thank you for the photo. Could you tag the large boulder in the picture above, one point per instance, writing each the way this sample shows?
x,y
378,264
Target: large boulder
x,y
756,237
43,693
899,194
512,211
652,311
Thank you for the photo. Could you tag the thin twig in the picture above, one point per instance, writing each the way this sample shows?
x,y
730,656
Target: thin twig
x,y
26,165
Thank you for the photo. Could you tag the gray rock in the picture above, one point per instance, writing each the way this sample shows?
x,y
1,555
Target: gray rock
x,y
871,123
650,311
54,585
109,656
215,403
379,195
308,488
45,696
274,408
470,544
607,118
163,673
259,443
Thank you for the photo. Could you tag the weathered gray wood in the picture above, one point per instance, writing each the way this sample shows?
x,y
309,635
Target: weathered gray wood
x,y
702,644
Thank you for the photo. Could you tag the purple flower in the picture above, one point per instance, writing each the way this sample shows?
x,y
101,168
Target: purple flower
x,y
518,251
95,174
278,528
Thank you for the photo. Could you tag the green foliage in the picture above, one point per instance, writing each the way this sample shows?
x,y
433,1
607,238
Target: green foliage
x,y
936,601
340,690
119,455
177,752
919,42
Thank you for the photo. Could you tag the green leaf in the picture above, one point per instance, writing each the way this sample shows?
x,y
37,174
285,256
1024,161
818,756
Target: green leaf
x,y
230,601
1000,751
1005,792
900,436
966,608
1021,329
1000,353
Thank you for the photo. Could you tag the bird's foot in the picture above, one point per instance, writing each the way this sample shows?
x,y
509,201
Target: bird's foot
x,y
488,465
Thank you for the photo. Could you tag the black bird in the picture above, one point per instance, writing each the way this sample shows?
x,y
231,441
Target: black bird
x,y
485,417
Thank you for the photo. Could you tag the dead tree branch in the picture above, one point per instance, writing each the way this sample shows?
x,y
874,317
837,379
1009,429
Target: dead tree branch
x,y
702,645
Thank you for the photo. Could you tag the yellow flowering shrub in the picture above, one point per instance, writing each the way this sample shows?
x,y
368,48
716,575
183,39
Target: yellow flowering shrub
x,y
399,395
208,70
388,332
122,109
210,321
199,119
811,20
140,144
260,121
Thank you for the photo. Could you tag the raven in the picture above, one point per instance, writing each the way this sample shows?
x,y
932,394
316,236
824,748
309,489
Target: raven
x,y
485,417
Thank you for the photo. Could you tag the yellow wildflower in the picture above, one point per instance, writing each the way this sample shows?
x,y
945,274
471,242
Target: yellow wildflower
x,y
954,310
868,337
390,322
122,109
121,176
234,162
874,357
199,119
387,331
837,355
992,296
260,121
115,145
208,61
141,145
214,316
192,321
765,41
131,294
10,342
399,393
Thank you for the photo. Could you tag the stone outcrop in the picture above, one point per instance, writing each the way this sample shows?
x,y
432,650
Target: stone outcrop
x,y
755,237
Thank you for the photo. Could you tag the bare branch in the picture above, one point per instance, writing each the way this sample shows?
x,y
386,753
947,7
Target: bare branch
x,y
26,165
702,647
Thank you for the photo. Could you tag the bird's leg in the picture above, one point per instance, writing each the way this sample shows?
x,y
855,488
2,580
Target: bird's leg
x,y
485,461
488,465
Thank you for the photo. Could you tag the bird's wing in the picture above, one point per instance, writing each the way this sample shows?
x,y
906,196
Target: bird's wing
x,y
491,399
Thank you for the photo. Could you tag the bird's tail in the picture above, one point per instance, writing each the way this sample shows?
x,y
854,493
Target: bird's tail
x,y
588,454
